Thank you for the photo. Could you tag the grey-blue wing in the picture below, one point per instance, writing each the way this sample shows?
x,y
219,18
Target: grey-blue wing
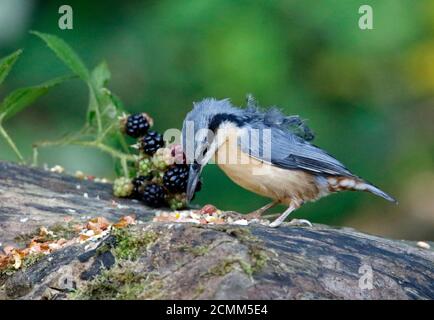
x,y
286,150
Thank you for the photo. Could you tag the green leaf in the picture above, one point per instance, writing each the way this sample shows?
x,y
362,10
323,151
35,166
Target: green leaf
x,y
93,108
101,75
19,99
91,117
117,102
65,53
7,63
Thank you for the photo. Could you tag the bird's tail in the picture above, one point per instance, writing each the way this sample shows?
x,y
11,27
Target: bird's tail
x,y
378,192
357,184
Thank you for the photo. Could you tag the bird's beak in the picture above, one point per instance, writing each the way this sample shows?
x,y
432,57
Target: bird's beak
x,y
196,168
193,178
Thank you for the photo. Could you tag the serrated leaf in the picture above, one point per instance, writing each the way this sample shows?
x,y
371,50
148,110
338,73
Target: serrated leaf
x,y
7,63
19,99
65,53
101,75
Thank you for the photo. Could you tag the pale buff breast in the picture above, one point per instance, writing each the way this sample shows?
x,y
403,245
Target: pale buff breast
x,y
265,179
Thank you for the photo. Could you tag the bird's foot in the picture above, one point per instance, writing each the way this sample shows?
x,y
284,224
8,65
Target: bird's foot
x,y
252,215
240,216
233,214
300,223
293,223
257,214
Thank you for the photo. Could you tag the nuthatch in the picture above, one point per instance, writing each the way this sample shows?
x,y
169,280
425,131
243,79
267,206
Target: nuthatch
x,y
265,152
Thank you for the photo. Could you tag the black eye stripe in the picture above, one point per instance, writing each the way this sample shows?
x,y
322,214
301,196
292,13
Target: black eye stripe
x,y
218,119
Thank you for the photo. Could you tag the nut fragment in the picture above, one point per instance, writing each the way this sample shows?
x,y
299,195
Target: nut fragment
x,y
208,209
423,245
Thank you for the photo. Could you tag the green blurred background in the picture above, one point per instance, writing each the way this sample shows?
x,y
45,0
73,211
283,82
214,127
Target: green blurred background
x,y
368,95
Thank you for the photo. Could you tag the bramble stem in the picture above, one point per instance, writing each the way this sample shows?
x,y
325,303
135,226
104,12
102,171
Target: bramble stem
x,y
123,157
8,139
125,167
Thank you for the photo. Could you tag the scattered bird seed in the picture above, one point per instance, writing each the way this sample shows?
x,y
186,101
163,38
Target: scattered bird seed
x,y
79,174
242,222
203,217
423,245
57,169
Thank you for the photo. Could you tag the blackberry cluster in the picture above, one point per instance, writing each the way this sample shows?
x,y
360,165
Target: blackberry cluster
x,y
161,172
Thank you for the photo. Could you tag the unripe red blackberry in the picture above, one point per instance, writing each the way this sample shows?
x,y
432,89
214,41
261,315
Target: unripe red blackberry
x,y
153,195
150,143
175,178
178,154
162,159
137,125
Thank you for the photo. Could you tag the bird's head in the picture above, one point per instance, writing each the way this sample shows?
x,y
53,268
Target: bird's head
x,y
200,138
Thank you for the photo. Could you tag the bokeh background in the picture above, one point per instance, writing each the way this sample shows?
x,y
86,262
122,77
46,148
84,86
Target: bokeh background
x,y
368,95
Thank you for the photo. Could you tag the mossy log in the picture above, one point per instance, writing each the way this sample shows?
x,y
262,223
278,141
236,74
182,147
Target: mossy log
x,y
188,261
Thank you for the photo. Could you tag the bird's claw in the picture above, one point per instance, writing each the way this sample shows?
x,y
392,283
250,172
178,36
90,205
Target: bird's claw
x,y
252,216
234,215
293,223
239,216
300,223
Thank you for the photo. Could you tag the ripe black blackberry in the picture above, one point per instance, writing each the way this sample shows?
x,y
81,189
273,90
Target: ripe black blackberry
x,y
150,143
175,178
153,195
139,184
137,125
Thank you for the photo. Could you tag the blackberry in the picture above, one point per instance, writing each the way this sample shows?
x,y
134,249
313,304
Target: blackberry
x,y
150,143
178,154
139,184
137,125
145,167
162,159
157,177
177,201
153,195
175,178
122,187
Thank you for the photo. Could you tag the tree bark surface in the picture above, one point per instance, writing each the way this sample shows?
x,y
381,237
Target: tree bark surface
x,y
189,261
